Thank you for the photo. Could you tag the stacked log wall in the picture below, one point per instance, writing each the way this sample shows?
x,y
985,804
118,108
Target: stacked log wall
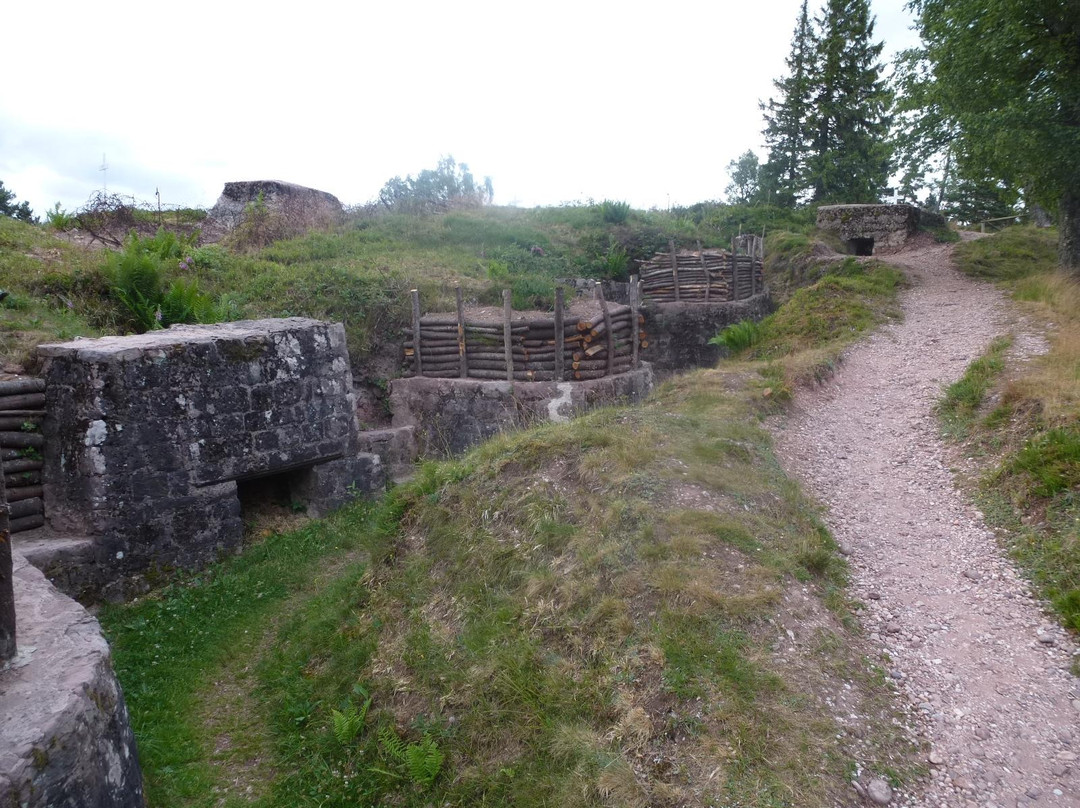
x,y
539,349
701,276
22,413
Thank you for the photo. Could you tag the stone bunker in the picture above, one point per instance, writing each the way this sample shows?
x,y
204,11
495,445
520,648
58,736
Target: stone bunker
x,y
152,439
867,228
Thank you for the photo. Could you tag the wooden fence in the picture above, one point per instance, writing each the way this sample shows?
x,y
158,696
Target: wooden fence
x,y
548,347
22,410
704,276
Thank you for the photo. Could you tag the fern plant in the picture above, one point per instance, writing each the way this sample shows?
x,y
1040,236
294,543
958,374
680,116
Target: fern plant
x,y
347,723
422,761
739,336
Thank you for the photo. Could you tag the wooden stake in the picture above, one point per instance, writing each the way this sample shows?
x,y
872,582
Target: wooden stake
x,y
418,364
508,347
461,333
7,592
635,293
560,336
704,269
609,331
674,268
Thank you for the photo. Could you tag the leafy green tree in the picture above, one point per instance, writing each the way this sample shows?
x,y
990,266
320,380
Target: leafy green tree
x,y
787,118
850,153
450,184
8,207
1008,73
744,172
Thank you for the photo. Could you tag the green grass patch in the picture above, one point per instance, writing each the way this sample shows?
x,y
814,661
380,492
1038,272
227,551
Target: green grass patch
x,y
963,398
536,619
1014,253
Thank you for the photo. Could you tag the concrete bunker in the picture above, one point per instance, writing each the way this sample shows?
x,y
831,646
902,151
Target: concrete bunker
x,y
152,438
866,228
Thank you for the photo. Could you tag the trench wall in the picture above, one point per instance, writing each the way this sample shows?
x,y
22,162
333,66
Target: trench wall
x,y
679,333
65,735
450,415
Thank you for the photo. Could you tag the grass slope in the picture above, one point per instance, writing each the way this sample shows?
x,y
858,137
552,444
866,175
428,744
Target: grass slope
x,y
634,608
1025,419
361,272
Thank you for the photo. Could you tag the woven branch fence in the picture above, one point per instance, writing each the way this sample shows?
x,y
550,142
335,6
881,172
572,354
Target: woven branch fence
x,y
551,347
704,276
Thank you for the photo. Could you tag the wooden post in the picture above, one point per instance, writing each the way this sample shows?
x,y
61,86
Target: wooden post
x,y
7,592
635,329
560,336
608,328
418,364
705,269
508,347
753,258
461,333
674,268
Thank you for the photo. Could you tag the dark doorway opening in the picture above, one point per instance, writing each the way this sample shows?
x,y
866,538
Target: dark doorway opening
x,y
862,246
270,503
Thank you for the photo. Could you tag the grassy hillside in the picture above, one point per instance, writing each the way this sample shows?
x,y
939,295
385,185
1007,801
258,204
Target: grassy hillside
x,y
635,608
1023,417
360,273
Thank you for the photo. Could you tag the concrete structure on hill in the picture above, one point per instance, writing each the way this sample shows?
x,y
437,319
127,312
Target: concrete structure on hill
x,y
866,228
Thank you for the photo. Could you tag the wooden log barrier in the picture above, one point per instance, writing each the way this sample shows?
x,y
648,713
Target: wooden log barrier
x,y
26,401
7,591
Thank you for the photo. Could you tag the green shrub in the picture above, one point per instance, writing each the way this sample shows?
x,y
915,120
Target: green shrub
x,y
740,336
138,283
614,212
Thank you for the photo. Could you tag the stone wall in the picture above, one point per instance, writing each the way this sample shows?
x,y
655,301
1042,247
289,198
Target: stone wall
x,y
679,333
65,736
148,436
303,207
450,415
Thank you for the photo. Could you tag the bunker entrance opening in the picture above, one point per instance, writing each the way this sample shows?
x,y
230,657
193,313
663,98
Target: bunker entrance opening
x,y
268,498
861,246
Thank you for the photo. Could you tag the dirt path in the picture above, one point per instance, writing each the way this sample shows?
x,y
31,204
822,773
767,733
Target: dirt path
x,y
985,669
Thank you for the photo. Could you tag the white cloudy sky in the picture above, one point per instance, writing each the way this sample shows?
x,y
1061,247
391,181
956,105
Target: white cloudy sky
x,y
556,101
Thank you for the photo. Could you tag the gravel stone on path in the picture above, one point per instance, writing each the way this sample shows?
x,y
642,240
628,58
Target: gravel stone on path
x,y
946,606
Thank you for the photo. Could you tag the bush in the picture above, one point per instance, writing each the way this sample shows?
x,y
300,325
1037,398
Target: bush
x,y
740,336
614,212
138,283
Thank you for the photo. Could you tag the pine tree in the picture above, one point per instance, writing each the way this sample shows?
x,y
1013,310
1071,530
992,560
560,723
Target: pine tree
x,y
786,118
849,122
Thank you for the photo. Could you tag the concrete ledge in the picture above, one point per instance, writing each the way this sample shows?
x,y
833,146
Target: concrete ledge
x,y
450,415
679,333
65,736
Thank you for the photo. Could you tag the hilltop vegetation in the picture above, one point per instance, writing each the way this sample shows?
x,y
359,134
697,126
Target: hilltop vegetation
x,y
360,273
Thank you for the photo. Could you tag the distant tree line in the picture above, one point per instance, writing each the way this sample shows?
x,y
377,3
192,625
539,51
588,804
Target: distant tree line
x,y
449,185
21,211
981,120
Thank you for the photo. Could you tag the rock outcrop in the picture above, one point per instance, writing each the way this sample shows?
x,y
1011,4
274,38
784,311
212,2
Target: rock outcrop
x,y
304,207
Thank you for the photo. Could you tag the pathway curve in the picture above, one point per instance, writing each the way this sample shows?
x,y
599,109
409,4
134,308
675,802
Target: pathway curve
x,y
986,670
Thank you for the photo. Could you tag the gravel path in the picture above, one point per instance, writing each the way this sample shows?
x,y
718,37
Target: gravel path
x,y
985,669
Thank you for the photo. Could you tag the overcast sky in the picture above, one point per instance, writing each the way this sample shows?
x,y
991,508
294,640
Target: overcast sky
x,y
556,101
